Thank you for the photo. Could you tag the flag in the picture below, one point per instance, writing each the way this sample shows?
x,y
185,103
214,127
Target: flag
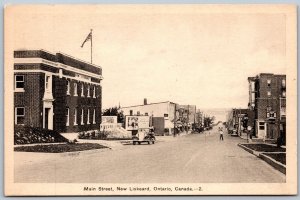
x,y
89,37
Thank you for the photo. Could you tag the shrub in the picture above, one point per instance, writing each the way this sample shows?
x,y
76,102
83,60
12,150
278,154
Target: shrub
x,y
81,135
93,134
30,135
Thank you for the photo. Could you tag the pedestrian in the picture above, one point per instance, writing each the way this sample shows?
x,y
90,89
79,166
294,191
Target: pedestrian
x,y
221,134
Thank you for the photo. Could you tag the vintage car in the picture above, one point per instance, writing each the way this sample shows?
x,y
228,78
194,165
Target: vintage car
x,y
146,136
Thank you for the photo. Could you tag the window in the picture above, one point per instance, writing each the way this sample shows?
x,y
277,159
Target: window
x,y
283,94
88,90
75,89
166,115
82,89
19,115
67,117
261,125
94,92
94,117
81,121
283,111
47,82
75,116
269,82
131,112
269,93
138,113
19,83
68,87
283,83
146,114
88,117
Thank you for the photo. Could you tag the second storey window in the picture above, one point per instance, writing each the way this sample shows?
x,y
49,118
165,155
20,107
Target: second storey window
x,y
88,90
283,83
82,89
94,92
19,115
19,83
47,82
68,87
269,93
75,89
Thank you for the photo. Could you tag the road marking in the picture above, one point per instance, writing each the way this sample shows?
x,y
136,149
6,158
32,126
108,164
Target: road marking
x,y
191,159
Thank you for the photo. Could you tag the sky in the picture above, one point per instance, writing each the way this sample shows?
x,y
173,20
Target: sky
x,y
181,54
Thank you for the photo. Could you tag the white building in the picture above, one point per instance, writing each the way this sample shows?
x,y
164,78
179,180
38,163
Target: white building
x,y
162,114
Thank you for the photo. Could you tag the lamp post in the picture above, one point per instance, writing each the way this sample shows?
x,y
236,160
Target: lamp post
x,y
249,128
245,123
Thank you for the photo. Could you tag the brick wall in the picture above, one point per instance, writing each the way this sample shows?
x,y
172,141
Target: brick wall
x,y
31,98
264,101
59,86
83,102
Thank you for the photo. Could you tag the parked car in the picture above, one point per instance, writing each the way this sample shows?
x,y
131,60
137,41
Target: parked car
x,y
144,136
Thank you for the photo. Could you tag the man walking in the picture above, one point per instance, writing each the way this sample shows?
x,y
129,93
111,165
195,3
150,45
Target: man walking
x,y
221,133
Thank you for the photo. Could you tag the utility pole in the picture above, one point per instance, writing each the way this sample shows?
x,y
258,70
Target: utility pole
x,y
188,118
91,46
175,120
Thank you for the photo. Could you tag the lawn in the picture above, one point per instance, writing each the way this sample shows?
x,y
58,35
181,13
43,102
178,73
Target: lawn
x,y
280,157
60,148
264,148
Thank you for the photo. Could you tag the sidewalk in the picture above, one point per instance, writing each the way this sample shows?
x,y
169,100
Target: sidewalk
x,y
257,140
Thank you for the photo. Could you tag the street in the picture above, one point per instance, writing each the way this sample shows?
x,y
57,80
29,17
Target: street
x,y
193,158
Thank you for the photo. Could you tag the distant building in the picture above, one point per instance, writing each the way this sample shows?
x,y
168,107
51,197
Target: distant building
x,y
267,98
236,120
162,115
199,118
187,115
56,91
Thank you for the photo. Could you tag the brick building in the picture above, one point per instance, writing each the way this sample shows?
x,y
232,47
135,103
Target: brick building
x,y
267,98
56,91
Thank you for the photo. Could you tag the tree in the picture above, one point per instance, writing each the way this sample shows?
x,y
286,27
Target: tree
x,y
114,111
208,121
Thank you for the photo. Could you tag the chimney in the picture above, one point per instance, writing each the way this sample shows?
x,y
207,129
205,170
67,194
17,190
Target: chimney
x,y
145,101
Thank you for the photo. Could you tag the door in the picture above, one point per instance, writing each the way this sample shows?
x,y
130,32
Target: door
x,y
261,130
47,110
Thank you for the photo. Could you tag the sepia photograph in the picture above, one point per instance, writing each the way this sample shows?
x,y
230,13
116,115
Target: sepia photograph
x,y
150,99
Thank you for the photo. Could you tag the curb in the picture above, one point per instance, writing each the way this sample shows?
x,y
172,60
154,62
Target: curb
x,y
246,148
277,165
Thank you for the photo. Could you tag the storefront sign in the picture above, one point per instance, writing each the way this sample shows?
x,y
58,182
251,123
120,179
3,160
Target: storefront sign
x,y
109,120
137,122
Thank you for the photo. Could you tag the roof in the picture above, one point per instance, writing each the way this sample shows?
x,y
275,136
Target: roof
x,y
148,104
59,58
265,74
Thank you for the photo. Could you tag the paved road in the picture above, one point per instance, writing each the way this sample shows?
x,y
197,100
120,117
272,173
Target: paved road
x,y
194,158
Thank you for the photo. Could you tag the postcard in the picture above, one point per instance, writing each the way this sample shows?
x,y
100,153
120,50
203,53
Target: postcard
x,y
150,99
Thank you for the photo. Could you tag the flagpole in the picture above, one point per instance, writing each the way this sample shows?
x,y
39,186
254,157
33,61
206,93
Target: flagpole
x,y
91,46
